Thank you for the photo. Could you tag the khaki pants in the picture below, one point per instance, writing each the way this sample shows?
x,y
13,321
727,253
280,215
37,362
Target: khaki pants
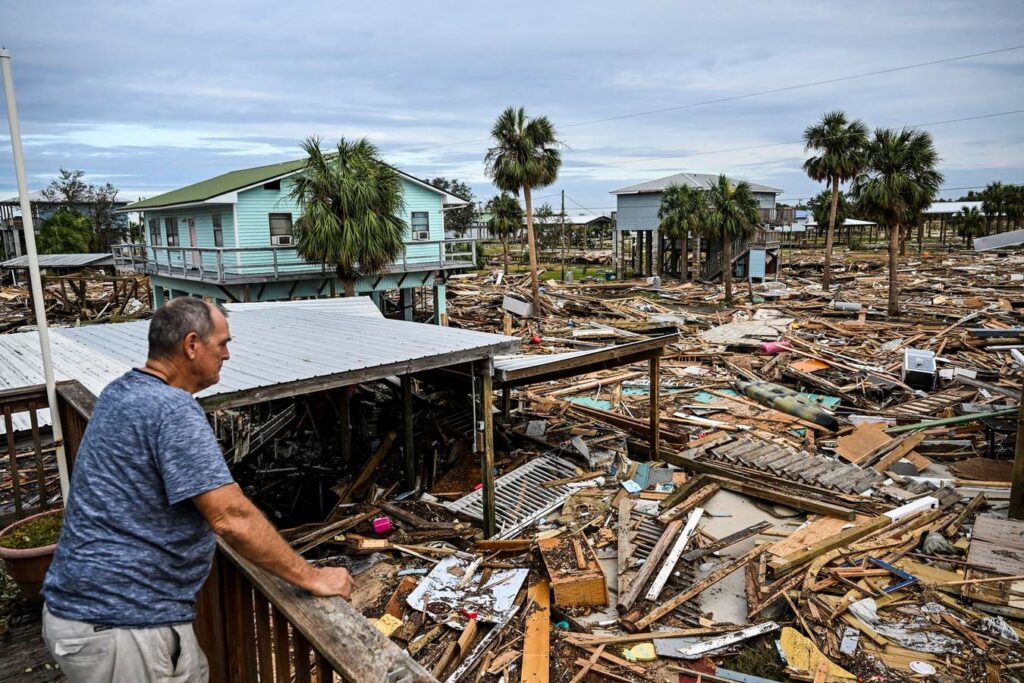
x,y
134,655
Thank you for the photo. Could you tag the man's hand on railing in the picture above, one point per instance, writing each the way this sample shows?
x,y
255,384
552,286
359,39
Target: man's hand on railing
x,y
329,581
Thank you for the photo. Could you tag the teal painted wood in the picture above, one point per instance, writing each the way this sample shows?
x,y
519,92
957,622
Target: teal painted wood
x,y
255,206
203,221
757,264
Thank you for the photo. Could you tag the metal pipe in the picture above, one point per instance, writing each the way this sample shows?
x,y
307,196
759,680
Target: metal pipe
x,y
33,271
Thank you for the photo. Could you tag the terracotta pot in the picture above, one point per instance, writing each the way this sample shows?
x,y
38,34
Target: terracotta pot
x,y
28,566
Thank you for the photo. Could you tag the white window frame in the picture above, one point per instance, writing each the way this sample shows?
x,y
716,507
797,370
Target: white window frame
x,y
218,229
175,240
154,232
280,238
419,234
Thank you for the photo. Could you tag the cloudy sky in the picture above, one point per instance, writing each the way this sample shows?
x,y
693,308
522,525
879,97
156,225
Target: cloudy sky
x,y
151,96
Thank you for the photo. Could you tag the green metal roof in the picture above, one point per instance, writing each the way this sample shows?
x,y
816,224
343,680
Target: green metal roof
x,y
214,187
236,180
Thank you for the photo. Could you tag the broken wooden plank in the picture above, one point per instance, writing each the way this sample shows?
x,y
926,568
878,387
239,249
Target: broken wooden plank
x,y
696,589
576,575
537,641
845,537
725,542
638,582
673,556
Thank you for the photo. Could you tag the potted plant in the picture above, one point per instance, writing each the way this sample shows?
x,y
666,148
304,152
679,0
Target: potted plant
x,y
27,548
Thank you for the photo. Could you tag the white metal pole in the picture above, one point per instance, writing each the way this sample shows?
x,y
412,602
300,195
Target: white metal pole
x,y
33,270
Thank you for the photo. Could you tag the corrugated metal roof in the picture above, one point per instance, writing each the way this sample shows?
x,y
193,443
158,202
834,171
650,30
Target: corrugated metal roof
x,y
353,305
948,208
272,344
520,361
700,181
849,221
62,261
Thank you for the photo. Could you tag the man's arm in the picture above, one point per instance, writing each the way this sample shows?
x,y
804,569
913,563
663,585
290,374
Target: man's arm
x,y
234,518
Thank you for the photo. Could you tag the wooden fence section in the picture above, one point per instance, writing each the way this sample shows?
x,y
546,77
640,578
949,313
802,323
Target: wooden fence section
x,y
256,627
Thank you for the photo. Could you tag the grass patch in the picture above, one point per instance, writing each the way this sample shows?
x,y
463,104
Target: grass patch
x,y
759,660
39,532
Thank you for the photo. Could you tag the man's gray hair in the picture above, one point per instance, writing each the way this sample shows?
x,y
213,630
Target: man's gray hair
x,y
175,320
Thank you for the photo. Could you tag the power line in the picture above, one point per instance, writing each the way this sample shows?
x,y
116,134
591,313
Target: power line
x,y
790,142
944,189
759,93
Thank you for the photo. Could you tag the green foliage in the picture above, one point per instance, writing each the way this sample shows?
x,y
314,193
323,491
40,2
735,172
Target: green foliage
x,y
458,220
70,192
525,152
352,208
840,147
900,178
506,217
683,210
732,215
525,155
36,533
65,232
821,206
969,222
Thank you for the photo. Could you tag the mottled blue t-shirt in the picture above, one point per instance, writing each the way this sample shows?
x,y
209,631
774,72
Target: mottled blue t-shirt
x,y
134,549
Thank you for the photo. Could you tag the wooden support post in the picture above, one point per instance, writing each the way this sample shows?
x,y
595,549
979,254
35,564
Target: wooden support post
x,y
1017,487
345,425
506,401
407,434
487,464
655,403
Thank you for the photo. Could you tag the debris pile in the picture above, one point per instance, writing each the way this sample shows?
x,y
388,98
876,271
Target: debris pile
x,y
829,502
84,297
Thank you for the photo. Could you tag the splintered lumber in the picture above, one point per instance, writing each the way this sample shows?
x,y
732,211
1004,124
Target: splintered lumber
x,y
604,671
673,556
368,471
696,589
700,497
638,582
576,575
537,641
585,669
626,545
903,449
842,538
725,542
731,480
586,639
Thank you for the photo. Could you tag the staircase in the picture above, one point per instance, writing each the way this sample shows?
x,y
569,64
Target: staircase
x,y
712,268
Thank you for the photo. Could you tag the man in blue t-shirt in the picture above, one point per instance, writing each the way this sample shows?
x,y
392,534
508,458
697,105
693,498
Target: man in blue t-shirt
x,y
150,489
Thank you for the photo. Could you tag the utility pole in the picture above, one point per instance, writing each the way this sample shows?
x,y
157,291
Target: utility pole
x,y
563,235
33,272
1017,486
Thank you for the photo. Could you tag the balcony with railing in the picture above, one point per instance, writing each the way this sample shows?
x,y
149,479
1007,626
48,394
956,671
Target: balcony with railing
x,y
777,215
238,265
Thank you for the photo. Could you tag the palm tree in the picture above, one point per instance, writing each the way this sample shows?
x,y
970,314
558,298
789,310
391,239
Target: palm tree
x,y
898,182
525,156
65,232
683,210
821,209
840,156
506,220
969,222
732,215
352,206
993,200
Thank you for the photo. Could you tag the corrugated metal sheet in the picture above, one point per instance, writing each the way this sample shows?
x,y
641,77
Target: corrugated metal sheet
x,y
519,361
62,261
354,305
700,181
999,241
272,344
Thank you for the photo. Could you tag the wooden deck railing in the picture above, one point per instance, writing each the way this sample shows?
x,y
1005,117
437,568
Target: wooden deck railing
x,y
252,625
29,483
255,627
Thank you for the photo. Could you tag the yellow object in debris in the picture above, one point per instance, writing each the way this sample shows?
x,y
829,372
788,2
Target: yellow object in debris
x,y
387,624
642,652
803,656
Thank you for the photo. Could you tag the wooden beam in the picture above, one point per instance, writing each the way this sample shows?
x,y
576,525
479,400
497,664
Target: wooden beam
x,y
855,533
537,641
345,425
487,464
650,565
655,406
696,589
1017,485
407,433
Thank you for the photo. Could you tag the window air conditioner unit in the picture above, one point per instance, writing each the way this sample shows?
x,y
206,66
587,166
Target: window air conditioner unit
x,y
281,240
421,235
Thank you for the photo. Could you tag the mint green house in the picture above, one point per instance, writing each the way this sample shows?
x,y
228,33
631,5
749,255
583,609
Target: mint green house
x,y
229,239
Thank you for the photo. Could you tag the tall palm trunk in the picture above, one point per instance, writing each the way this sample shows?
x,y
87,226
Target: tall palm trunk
x,y
727,268
504,248
826,273
532,247
894,293
695,272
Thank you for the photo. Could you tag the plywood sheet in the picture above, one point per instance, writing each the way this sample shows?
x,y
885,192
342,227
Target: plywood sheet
x,y
997,545
817,529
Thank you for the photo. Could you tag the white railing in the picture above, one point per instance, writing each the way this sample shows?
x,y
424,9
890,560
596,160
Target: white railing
x,y
226,264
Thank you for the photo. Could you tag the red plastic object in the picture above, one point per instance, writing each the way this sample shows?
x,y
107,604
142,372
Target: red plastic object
x,y
468,614
535,339
382,525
